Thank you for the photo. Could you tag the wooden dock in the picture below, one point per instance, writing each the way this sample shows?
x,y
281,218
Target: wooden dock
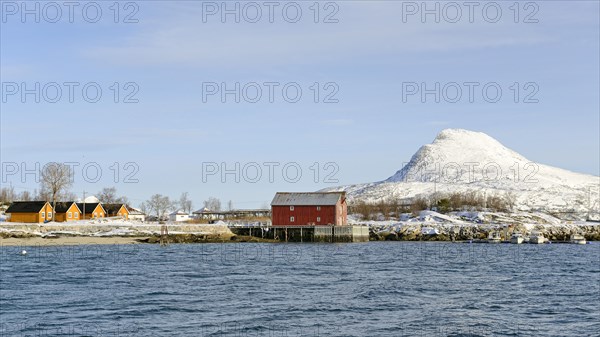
x,y
306,233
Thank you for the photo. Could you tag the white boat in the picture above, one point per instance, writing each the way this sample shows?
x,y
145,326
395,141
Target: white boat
x,y
578,239
494,237
537,238
517,238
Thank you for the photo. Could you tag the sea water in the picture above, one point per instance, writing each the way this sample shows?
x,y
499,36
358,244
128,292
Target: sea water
x,y
258,289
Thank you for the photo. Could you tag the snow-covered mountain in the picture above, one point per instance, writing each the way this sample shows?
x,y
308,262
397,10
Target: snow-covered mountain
x,y
461,160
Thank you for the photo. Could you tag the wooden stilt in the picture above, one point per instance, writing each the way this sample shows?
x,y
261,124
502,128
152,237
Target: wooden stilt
x,y
164,235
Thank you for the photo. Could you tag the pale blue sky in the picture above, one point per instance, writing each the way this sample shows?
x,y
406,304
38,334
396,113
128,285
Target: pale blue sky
x,y
369,53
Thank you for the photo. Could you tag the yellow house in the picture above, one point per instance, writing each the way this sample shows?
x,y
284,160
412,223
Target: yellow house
x,y
91,210
119,210
30,211
67,211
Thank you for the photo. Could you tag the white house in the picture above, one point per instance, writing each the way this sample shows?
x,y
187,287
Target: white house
x,y
136,215
179,216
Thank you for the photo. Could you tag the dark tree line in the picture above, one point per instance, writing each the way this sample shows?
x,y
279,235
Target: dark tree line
x,y
441,202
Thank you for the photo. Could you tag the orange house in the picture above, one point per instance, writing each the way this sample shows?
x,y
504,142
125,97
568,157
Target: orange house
x,y
30,211
91,210
67,211
116,210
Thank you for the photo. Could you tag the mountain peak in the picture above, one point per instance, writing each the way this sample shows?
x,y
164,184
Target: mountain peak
x,y
465,161
457,150
469,139
461,134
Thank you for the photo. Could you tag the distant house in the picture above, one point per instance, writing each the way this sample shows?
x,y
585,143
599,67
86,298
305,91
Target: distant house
x,y
247,213
30,211
309,209
206,214
119,210
92,210
179,216
67,211
135,214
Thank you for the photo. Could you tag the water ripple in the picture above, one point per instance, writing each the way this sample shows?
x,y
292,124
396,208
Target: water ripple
x,y
372,289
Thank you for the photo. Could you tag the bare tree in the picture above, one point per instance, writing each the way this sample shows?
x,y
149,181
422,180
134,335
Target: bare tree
x,y
418,204
213,204
67,196
7,194
159,204
42,194
108,195
55,178
363,208
25,196
144,208
185,203
46,194
230,205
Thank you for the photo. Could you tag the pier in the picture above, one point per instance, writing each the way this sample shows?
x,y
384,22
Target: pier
x,y
305,233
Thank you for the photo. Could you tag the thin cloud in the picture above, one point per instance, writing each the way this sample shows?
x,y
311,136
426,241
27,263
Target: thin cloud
x,y
338,122
183,40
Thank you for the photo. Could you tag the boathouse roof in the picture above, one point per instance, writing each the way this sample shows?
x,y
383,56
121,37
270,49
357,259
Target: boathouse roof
x,y
307,198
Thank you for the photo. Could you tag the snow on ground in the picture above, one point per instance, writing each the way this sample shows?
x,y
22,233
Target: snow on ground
x,y
109,227
432,223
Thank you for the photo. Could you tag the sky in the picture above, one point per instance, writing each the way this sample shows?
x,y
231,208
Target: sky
x,y
340,86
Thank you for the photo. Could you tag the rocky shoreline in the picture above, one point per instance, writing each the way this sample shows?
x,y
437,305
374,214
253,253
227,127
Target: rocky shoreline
x,y
402,231
478,232
24,239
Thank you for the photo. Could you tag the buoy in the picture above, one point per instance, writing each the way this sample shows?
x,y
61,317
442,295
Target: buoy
x,y
23,252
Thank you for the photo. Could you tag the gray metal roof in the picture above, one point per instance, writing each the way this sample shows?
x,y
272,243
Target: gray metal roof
x,y
307,199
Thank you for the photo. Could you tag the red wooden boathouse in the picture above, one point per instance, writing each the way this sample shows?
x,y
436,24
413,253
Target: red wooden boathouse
x,y
309,209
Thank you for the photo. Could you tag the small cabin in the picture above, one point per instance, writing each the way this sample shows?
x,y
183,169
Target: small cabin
x,y
67,211
91,210
30,211
116,210
136,214
179,216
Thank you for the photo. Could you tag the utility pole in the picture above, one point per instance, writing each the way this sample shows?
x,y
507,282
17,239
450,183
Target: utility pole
x,y
84,205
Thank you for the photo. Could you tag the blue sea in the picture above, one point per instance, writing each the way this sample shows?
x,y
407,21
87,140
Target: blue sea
x,y
258,289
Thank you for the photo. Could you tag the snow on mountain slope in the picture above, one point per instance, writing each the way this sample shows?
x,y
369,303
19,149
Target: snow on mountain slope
x,y
461,160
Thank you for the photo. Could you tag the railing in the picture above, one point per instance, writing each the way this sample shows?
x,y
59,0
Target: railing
x,y
241,224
